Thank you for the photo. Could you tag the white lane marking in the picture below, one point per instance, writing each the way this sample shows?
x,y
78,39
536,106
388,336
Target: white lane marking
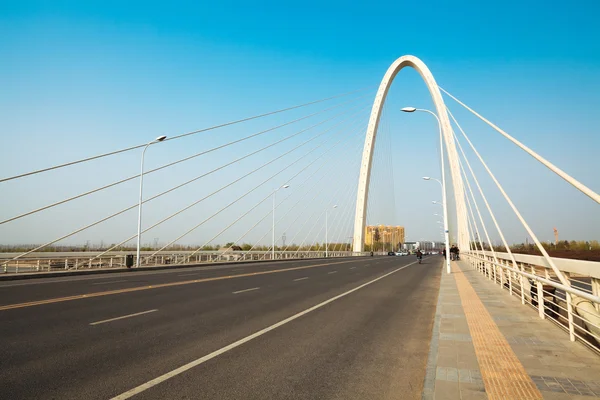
x,y
106,283
300,279
192,273
332,272
246,290
352,267
201,360
123,317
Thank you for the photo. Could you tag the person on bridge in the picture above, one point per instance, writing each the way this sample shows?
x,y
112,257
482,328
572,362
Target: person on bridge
x,y
457,253
419,255
444,253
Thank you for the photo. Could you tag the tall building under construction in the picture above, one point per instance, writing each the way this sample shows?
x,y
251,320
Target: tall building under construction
x,y
387,234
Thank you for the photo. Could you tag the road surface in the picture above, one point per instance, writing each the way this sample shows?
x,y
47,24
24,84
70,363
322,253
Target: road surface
x,y
353,328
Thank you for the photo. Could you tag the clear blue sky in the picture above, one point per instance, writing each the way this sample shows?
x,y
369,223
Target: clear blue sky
x,y
81,78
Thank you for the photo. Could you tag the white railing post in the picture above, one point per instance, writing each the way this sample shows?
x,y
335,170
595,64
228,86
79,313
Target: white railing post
x,y
76,263
567,276
111,262
522,283
17,266
510,276
37,268
540,296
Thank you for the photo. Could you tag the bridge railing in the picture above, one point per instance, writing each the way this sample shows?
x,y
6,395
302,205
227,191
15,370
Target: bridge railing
x,y
574,308
48,262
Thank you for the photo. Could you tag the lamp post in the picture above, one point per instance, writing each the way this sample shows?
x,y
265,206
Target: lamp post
x,y
443,182
326,228
139,227
273,228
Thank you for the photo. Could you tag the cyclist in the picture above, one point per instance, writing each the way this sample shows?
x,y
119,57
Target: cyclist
x,y
419,255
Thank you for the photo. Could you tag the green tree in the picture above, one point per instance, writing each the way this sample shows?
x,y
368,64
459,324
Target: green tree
x,y
376,237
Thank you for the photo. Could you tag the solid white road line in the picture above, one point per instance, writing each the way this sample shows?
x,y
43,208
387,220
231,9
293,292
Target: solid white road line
x,y
106,283
201,360
246,290
352,267
123,317
300,279
332,272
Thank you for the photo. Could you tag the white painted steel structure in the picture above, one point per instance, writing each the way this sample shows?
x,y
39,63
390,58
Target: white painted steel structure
x,y
367,158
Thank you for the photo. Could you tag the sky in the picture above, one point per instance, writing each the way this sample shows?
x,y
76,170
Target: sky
x,y
84,78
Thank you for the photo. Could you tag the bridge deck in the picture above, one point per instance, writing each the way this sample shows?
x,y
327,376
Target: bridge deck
x,y
487,345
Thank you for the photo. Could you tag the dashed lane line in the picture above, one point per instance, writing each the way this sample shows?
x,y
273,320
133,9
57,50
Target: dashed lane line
x,y
123,317
246,290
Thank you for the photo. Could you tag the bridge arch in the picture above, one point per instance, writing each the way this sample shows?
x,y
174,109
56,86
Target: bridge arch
x,y
367,158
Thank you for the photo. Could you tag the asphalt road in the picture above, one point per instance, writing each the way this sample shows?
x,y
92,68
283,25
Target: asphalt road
x,y
329,329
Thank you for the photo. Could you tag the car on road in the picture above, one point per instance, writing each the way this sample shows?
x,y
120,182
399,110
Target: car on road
x,y
391,253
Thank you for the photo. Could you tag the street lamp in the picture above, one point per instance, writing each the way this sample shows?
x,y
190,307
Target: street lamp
x,y
273,229
139,227
443,182
326,227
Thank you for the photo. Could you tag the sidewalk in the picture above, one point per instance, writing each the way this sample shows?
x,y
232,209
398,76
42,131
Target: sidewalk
x,y
487,345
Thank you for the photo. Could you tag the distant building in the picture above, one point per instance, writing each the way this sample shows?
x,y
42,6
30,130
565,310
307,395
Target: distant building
x,y
387,234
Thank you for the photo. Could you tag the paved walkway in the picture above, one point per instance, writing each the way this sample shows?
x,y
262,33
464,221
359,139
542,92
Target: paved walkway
x,y
486,345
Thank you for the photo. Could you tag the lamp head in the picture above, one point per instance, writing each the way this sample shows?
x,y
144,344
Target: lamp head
x,y
285,186
160,138
426,178
409,109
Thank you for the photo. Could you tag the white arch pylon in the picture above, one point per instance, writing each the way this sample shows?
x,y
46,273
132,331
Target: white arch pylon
x,y
367,158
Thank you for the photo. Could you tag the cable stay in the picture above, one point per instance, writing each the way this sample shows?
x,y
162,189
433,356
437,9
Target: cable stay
x,y
160,194
549,260
215,192
311,190
572,181
181,135
269,195
178,162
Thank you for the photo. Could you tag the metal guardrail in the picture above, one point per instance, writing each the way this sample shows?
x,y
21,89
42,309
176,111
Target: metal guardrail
x,y
48,262
575,308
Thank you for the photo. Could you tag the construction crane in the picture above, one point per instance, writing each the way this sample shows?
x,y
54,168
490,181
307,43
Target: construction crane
x,y
556,236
